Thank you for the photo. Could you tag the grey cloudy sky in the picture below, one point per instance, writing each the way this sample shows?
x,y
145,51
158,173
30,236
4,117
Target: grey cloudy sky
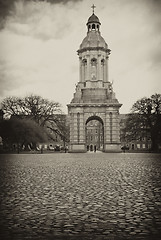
x,y
39,40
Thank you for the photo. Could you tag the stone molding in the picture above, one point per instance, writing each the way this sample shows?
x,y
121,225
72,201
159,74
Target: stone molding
x,y
94,48
118,105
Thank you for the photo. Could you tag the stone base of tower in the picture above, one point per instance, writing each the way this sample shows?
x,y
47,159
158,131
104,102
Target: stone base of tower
x,y
112,148
77,148
108,148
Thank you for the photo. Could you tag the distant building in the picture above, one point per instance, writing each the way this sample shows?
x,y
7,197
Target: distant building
x,y
94,135
140,143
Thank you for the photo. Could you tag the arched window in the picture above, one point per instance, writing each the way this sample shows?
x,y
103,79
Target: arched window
x,y
84,68
93,27
102,69
84,61
102,62
93,61
89,27
97,26
93,68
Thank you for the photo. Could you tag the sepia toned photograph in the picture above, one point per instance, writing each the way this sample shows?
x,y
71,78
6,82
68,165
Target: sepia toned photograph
x,y
80,119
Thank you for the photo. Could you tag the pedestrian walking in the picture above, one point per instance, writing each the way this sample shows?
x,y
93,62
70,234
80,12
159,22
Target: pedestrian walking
x,y
95,148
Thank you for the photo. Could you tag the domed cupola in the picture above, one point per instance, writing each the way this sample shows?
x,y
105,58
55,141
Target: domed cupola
x,y
93,23
93,39
93,19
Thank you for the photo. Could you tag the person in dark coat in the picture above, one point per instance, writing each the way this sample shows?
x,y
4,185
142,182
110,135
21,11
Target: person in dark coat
x,y
95,148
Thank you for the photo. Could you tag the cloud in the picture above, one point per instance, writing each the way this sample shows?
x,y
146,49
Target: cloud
x,y
41,20
7,6
33,45
135,60
39,41
27,61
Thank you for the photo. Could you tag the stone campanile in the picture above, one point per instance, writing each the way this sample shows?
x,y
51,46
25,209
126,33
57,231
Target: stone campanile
x,y
94,98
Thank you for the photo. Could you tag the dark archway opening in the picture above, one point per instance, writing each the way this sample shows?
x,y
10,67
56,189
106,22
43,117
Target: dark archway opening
x,y
93,27
94,134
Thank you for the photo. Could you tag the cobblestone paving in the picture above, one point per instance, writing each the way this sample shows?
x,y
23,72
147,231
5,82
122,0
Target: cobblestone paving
x,y
80,196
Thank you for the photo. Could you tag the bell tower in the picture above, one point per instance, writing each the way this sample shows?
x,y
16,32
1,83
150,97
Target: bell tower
x,y
94,98
93,55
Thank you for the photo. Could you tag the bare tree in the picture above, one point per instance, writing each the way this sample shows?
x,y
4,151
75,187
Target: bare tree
x,y
60,127
145,118
45,113
37,108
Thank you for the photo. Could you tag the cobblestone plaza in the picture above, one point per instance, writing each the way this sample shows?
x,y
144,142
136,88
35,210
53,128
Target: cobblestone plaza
x,y
80,196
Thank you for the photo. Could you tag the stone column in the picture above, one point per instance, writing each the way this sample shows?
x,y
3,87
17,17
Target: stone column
x,y
88,67
99,68
80,69
116,127
106,69
82,72
85,72
82,130
107,128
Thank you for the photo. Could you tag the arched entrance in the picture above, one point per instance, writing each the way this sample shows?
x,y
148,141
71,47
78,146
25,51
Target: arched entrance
x,y
94,132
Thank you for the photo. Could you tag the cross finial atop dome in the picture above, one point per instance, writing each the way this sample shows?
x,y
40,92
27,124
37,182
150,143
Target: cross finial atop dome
x,y
93,7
